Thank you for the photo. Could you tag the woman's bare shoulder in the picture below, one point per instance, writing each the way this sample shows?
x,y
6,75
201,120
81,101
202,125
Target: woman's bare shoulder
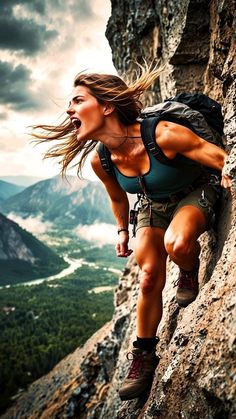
x,y
169,133
99,170
97,166
95,159
112,186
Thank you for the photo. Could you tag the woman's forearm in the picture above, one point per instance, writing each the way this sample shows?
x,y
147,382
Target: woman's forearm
x,y
121,213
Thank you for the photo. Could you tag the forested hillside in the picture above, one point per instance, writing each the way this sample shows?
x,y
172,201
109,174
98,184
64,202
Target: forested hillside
x,y
23,256
41,324
8,189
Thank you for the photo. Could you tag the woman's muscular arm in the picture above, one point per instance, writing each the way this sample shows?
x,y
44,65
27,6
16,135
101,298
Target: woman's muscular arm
x,y
119,205
174,138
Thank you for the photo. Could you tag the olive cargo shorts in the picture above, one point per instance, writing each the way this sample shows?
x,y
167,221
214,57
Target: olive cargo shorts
x,y
204,197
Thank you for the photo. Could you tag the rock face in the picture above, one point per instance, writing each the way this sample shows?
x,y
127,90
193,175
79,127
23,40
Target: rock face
x,y
11,243
23,256
196,376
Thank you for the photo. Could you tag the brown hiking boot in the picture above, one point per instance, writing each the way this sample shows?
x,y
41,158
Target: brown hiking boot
x,y
140,374
187,283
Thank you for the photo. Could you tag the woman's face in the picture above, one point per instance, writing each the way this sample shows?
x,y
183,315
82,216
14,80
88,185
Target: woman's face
x,y
86,114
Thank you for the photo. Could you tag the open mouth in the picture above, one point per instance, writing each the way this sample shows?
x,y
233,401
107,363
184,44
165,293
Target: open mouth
x,y
76,123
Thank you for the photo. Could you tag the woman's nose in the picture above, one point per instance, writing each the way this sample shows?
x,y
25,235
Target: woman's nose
x,y
69,110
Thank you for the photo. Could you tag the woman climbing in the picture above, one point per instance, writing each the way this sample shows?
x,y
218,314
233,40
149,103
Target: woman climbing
x,y
104,109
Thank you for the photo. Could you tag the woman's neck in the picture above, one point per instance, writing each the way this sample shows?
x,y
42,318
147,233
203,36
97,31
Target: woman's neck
x,y
121,137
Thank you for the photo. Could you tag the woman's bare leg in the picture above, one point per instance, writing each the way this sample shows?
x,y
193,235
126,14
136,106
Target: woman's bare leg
x,y
151,256
181,236
182,246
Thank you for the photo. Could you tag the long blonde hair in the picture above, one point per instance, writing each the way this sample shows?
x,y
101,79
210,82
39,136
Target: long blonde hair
x,y
123,95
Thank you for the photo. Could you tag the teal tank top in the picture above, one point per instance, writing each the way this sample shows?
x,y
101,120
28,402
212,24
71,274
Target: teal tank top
x,y
161,180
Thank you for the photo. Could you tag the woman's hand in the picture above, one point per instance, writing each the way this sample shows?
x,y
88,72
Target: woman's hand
x,y
226,182
122,249
228,174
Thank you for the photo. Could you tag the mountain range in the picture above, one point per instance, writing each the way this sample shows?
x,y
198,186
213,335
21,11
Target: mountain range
x,y
21,180
65,202
8,189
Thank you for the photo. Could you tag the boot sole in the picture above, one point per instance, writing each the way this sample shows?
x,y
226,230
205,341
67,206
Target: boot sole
x,y
139,394
135,396
183,304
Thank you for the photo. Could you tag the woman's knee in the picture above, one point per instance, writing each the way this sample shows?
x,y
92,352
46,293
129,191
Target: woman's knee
x,y
177,245
151,281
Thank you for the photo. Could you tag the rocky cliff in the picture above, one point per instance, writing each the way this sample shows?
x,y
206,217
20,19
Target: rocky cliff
x,y
196,377
23,256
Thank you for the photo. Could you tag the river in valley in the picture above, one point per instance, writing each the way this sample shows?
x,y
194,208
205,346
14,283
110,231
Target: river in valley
x,y
73,265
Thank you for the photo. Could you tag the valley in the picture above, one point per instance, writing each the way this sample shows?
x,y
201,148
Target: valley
x,y
42,323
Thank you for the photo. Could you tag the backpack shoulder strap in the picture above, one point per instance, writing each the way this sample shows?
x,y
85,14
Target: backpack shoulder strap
x,y
148,128
105,159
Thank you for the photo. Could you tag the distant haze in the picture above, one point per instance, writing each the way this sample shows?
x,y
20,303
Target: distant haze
x,y
21,180
33,225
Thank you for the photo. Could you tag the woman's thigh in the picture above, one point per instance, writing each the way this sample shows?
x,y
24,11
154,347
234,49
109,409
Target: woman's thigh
x,y
150,251
193,215
188,223
203,199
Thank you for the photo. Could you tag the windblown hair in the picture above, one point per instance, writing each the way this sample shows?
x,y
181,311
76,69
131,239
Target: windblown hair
x,y
124,96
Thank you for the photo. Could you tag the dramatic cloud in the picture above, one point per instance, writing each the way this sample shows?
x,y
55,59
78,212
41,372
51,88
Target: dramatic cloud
x,y
27,26
15,87
43,45
80,9
35,5
23,33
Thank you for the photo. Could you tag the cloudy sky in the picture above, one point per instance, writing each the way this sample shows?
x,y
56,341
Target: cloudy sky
x,y
43,45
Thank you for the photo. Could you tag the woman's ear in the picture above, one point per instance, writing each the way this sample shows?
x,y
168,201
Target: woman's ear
x,y
108,108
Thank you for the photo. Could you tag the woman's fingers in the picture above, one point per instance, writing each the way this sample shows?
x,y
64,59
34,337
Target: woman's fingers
x,y
226,182
122,250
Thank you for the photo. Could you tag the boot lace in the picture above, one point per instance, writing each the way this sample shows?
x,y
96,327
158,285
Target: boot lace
x,y
188,279
136,365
